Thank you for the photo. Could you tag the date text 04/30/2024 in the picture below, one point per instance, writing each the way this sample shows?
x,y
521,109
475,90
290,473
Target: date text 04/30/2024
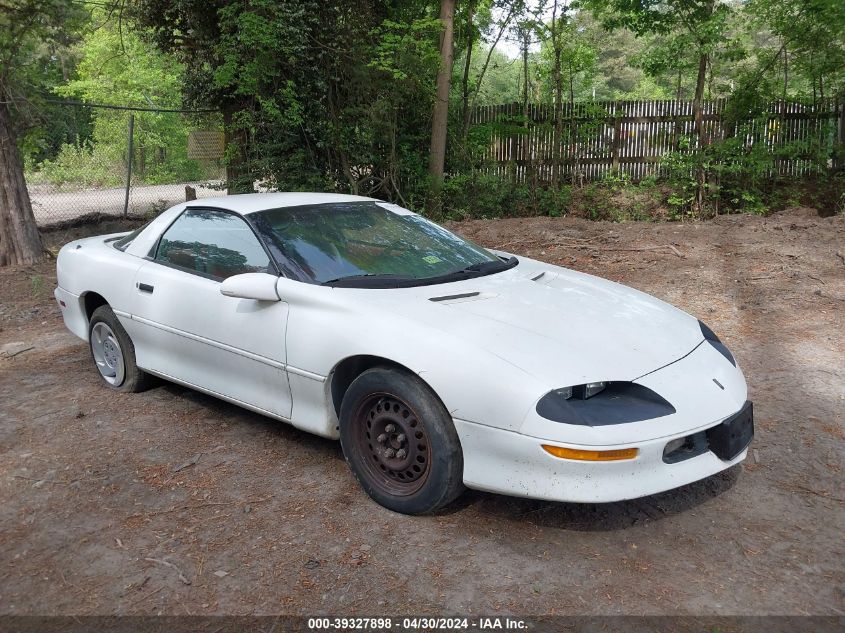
x,y
417,623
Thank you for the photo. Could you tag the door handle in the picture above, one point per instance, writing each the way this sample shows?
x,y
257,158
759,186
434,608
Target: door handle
x,y
146,288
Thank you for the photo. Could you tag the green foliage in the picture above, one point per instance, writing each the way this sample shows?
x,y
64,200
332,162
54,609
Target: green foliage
x,y
81,165
480,195
806,57
34,35
37,285
338,95
477,194
319,95
578,58
402,49
732,175
117,66
501,78
52,127
554,202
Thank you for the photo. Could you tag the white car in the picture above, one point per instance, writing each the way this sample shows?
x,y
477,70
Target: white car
x,y
439,364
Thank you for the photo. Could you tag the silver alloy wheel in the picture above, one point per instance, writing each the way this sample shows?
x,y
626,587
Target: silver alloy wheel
x,y
107,354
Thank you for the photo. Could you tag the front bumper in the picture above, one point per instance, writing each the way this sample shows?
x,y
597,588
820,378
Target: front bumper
x,y
511,463
73,312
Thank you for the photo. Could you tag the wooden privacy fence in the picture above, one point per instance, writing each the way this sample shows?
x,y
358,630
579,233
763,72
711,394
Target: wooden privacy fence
x,y
632,137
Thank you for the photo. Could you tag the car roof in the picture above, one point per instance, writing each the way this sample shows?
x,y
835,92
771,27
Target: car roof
x,y
242,204
247,203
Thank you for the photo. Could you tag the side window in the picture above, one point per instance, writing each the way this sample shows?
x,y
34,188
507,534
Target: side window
x,y
123,243
212,243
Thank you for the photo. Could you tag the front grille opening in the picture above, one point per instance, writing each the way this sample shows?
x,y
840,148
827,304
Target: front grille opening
x,y
684,448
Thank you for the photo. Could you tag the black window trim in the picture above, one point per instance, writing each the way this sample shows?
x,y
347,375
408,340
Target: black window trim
x,y
122,248
151,255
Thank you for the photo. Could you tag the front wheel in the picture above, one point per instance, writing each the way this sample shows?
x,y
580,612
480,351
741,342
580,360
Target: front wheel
x,y
114,353
400,442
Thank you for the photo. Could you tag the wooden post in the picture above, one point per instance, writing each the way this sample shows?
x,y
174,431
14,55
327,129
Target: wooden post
x,y
617,133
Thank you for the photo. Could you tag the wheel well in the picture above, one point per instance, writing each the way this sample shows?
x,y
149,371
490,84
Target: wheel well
x,y
350,368
92,301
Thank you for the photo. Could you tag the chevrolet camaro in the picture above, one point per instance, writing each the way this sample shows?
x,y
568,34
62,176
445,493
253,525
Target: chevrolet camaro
x,y
437,363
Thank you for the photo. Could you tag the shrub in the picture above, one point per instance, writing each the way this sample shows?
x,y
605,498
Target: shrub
x,y
81,165
481,195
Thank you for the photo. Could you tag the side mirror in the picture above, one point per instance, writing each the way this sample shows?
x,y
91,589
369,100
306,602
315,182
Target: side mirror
x,y
257,286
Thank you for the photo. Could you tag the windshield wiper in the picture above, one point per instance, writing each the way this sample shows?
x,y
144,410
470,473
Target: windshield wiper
x,y
370,279
389,280
491,266
483,268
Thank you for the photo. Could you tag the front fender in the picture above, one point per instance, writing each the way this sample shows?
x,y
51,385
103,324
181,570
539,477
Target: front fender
x,y
328,325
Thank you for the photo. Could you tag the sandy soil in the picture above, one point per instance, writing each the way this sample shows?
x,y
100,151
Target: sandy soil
x,y
172,502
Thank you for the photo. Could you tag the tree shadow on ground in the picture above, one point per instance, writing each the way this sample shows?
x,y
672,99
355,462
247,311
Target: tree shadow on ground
x,y
567,516
254,423
599,517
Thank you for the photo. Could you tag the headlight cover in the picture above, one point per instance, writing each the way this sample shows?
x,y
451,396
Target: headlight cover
x,y
710,337
618,403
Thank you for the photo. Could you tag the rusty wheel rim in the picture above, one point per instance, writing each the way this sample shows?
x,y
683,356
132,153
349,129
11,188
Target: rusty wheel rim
x,y
390,437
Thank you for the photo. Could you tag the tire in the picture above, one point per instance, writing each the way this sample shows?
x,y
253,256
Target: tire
x,y
387,411
113,353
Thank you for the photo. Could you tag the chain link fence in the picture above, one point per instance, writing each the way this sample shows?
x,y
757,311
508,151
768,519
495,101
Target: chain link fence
x,y
120,161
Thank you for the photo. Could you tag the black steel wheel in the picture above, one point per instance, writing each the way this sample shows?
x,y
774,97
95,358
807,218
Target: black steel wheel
x,y
400,442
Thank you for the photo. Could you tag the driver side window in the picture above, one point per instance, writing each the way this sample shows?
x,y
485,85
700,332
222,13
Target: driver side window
x,y
212,243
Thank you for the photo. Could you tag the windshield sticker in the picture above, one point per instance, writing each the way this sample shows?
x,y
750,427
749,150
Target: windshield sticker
x,y
395,208
431,259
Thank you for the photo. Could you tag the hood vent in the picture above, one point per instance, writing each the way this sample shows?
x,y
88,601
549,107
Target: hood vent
x,y
545,277
465,295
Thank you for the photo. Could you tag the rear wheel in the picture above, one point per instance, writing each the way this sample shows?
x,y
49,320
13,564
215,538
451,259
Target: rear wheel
x,y
114,353
400,442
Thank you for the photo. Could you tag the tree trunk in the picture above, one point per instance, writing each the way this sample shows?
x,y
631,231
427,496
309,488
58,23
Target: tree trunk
x,y
465,79
235,140
502,28
558,105
527,149
699,96
699,130
699,85
437,155
20,242
573,128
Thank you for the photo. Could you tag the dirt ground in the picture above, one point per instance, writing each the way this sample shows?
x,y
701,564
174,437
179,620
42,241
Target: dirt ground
x,y
173,502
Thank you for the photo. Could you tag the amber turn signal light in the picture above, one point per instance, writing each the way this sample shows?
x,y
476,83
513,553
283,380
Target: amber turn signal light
x,y
591,456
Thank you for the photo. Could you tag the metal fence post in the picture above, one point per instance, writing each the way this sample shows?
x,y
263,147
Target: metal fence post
x,y
129,164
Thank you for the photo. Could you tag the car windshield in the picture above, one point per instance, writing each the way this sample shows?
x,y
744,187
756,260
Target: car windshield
x,y
368,244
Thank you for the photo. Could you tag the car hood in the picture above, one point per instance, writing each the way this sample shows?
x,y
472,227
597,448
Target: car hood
x,y
560,326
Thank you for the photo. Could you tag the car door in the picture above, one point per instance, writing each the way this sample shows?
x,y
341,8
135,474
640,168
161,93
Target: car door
x,y
184,328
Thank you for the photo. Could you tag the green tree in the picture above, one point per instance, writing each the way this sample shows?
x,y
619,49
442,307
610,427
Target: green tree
x,y
117,66
685,30
315,95
800,53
